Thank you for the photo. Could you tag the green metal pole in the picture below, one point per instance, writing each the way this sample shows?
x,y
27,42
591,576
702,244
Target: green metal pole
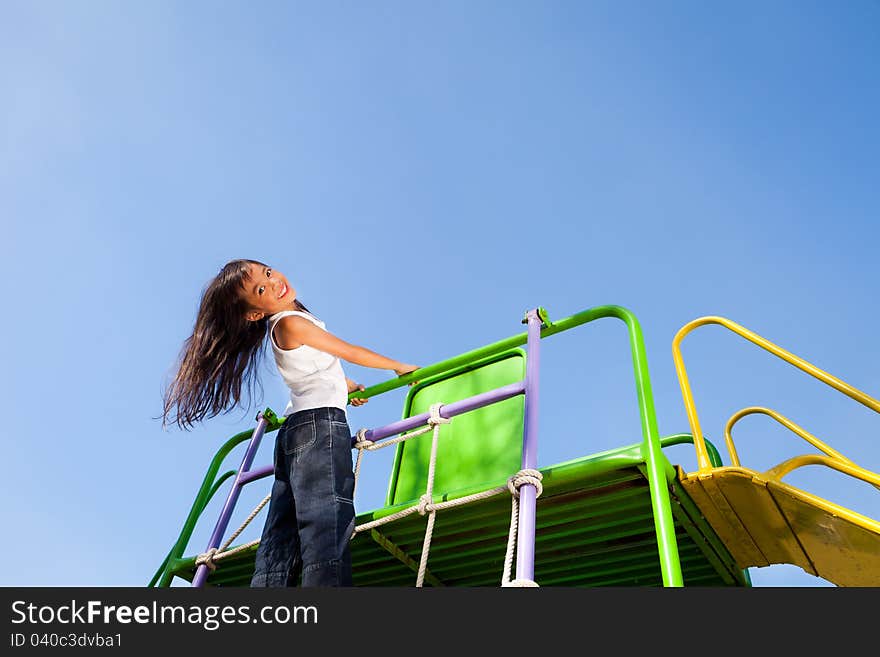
x,y
687,438
664,525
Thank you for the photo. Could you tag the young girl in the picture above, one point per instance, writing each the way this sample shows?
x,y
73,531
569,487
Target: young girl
x,y
311,511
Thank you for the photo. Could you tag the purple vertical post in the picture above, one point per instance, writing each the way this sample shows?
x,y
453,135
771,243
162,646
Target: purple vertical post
x,y
525,542
202,571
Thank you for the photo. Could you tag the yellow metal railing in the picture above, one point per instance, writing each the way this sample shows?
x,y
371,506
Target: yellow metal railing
x,y
784,421
703,462
832,459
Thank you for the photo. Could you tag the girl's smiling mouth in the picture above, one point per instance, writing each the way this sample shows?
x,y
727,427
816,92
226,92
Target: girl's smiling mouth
x,y
284,290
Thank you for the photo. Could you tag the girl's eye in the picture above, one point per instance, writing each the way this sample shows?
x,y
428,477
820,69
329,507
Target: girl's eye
x,y
260,291
268,273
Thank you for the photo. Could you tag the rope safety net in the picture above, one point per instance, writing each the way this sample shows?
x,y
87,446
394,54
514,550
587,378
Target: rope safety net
x,y
424,506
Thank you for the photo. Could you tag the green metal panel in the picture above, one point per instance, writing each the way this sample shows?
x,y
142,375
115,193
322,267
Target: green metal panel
x,y
477,447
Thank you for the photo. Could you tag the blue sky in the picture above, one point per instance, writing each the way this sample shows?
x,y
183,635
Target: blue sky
x,y
424,173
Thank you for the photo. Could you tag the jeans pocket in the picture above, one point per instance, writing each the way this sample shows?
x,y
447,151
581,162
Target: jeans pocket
x,y
300,437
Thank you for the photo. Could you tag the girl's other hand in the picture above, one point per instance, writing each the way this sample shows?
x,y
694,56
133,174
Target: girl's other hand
x,y
357,401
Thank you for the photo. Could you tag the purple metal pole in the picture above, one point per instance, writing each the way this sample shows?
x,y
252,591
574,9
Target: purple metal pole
x,y
525,542
447,410
202,571
259,473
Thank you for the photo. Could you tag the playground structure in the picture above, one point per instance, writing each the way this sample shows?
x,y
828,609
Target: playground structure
x,y
468,505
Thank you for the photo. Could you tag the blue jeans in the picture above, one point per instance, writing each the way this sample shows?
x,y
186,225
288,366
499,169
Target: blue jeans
x,y
311,510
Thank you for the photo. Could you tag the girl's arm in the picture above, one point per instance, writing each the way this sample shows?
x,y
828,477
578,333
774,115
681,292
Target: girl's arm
x,y
293,331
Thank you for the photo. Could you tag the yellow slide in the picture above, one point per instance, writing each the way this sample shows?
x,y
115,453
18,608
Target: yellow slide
x,y
763,520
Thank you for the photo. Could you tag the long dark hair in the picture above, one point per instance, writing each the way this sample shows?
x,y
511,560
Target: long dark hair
x,y
222,353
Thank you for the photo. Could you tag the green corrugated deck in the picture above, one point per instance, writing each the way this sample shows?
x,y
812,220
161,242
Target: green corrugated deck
x,y
595,527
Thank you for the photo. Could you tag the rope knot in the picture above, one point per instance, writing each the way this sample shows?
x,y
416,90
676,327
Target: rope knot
x,y
362,442
207,559
436,418
424,502
525,476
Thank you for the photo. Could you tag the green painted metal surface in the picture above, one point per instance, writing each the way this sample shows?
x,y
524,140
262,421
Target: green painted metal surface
x,y
477,447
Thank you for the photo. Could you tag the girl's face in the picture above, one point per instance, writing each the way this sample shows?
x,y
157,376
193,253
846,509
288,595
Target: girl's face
x,y
267,292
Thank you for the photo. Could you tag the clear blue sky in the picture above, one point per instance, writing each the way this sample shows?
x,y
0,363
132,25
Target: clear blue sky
x,y
424,173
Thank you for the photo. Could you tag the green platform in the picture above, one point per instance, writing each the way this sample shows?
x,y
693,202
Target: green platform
x,y
595,527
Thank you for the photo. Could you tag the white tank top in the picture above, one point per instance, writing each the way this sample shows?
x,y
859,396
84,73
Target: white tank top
x,y
314,377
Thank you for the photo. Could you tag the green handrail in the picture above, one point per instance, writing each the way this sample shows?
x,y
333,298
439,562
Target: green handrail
x,y
687,438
